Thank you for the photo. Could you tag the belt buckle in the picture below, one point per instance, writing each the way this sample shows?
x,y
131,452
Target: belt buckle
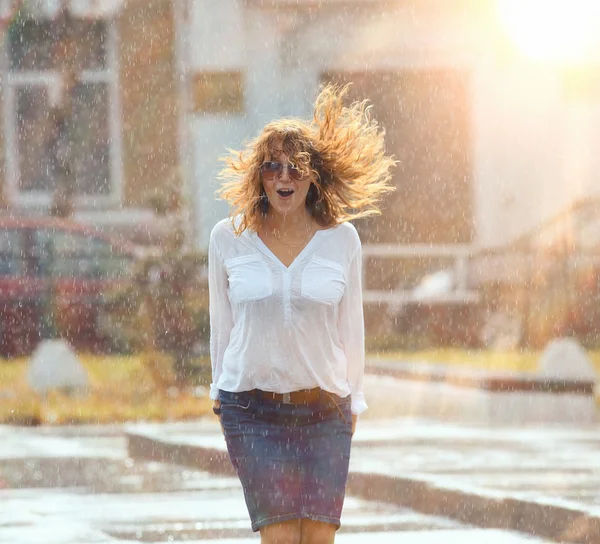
x,y
287,398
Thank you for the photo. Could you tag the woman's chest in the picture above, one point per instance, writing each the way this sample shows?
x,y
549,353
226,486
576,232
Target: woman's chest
x,y
253,278
284,253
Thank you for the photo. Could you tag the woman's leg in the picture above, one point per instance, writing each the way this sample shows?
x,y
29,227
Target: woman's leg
x,y
286,532
324,443
317,532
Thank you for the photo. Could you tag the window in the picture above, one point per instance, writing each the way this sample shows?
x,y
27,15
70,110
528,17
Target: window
x,y
34,45
54,128
109,263
71,255
11,259
41,252
426,114
33,132
64,254
91,139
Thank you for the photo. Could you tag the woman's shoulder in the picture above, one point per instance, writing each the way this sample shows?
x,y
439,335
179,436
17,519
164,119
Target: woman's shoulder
x,y
223,228
346,233
349,229
222,234
340,243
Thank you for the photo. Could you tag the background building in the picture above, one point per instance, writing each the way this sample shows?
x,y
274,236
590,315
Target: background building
x,y
90,91
492,140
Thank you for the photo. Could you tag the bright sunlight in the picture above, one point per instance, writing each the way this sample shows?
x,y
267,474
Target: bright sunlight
x,y
552,30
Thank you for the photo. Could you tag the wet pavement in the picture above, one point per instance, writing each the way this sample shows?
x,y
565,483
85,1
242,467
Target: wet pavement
x,y
559,464
550,464
543,480
76,485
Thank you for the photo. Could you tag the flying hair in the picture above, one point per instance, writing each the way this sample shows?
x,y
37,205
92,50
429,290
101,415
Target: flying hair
x,y
342,149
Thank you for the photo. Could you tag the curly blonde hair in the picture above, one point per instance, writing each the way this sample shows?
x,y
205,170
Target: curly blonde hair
x,y
342,149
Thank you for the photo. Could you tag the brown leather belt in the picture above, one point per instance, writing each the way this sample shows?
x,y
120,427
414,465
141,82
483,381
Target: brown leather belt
x,y
303,396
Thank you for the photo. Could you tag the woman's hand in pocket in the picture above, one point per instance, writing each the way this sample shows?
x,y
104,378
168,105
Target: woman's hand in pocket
x,y
216,406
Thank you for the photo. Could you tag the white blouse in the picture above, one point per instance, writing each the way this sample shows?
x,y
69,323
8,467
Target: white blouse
x,y
279,328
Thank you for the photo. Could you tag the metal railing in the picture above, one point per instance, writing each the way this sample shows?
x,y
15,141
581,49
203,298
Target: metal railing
x,y
458,253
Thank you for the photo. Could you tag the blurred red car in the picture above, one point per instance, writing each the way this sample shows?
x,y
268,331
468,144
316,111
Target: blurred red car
x,y
53,276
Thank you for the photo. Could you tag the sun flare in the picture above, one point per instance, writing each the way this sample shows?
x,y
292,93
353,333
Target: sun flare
x,y
552,30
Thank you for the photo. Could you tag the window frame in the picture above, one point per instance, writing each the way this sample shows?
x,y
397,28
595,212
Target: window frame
x,y
11,80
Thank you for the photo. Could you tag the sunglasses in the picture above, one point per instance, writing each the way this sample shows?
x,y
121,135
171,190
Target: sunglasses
x,y
271,170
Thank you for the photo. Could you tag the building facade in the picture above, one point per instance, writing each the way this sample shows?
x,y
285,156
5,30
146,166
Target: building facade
x,y
91,88
489,142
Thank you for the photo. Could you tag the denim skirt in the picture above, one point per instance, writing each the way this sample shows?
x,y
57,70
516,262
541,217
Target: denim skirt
x,y
292,459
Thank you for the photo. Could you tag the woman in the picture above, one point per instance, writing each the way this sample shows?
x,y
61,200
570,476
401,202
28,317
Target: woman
x,y
287,335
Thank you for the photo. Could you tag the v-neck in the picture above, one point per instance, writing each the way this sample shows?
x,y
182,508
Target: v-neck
x,y
305,250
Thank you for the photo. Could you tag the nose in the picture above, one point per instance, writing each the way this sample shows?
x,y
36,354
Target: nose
x,y
285,174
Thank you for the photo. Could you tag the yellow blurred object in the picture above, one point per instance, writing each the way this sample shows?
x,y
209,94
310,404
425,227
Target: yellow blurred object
x,y
121,389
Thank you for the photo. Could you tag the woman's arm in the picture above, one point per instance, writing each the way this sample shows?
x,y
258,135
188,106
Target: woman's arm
x,y
352,331
221,320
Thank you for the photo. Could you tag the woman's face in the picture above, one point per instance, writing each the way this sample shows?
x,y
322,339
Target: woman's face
x,y
285,186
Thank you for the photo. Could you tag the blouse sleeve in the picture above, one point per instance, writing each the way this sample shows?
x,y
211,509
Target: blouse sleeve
x,y
221,320
352,332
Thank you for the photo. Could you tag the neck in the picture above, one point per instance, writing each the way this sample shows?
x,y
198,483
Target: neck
x,y
300,221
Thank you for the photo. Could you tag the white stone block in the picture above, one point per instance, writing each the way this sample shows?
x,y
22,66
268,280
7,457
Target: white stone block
x,y
565,359
54,365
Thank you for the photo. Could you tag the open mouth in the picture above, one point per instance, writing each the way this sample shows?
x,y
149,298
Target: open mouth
x,y
285,193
